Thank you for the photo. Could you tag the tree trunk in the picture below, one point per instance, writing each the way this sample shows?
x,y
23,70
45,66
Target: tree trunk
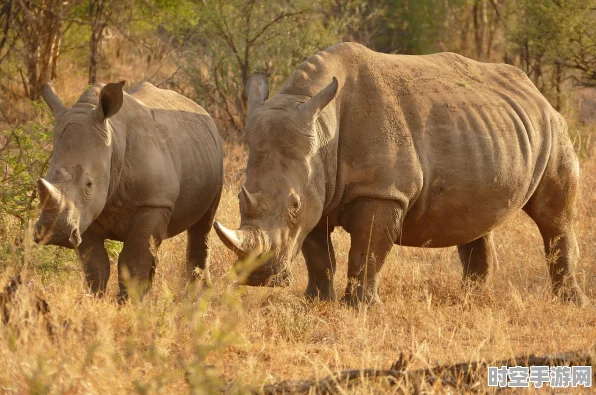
x,y
32,56
96,14
480,22
51,22
493,25
558,82
465,34
55,54
41,34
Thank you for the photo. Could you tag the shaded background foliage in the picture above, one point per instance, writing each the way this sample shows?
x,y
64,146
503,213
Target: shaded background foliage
x,y
205,49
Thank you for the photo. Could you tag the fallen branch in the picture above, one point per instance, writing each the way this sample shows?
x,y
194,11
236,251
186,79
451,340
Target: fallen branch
x,y
466,375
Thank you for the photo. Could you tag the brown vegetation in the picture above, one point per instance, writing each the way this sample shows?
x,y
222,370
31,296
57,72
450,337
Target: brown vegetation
x,y
238,338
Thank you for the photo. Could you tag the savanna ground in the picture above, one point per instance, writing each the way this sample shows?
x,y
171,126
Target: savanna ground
x,y
240,336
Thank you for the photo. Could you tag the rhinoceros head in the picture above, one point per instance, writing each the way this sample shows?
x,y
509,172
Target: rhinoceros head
x,y
282,199
74,191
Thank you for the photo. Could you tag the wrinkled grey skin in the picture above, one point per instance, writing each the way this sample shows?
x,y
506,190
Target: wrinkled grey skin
x,y
435,150
137,168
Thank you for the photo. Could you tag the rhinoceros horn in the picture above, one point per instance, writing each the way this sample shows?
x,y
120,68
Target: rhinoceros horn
x,y
313,107
48,194
251,203
236,240
52,100
256,90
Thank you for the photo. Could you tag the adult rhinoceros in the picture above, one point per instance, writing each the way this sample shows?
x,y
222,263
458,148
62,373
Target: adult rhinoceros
x,y
434,150
138,168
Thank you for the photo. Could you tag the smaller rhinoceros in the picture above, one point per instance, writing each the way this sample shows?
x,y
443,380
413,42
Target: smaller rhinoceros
x,y
137,168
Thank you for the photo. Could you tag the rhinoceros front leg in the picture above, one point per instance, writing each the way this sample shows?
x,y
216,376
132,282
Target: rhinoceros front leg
x,y
562,252
320,262
197,249
374,226
552,207
95,261
477,258
138,259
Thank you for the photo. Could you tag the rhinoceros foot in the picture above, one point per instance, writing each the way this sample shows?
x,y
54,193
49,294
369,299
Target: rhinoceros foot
x,y
575,295
355,295
322,294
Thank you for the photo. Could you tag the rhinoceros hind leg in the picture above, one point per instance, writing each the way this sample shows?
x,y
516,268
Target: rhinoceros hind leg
x,y
95,261
478,258
560,245
138,259
374,226
320,261
197,248
552,209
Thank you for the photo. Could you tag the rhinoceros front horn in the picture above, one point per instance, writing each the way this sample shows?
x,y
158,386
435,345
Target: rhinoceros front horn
x,y
233,239
48,194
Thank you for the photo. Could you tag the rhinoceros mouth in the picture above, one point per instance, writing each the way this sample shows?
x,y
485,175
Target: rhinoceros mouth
x,y
70,239
268,279
60,242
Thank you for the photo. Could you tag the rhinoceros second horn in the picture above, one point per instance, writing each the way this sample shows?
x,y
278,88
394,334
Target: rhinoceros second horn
x,y
313,107
251,203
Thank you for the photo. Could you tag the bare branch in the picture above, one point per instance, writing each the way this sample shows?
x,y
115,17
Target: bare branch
x,y
463,376
273,22
169,78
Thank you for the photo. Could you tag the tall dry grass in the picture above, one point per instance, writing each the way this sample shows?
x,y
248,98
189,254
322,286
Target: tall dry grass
x,y
238,337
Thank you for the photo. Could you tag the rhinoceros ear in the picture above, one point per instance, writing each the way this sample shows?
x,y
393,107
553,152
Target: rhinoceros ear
x,y
110,100
256,90
52,100
314,106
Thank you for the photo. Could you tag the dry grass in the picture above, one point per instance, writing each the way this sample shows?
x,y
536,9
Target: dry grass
x,y
251,336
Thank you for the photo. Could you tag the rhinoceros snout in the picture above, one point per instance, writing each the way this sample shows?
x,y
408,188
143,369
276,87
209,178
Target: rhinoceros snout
x,y
37,234
269,278
69,238
75,237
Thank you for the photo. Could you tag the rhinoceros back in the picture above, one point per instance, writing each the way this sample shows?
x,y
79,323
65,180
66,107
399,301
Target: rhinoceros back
x,y
177,155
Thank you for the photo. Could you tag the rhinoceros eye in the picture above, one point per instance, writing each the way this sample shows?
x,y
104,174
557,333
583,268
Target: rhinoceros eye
x,y
294,207
88,187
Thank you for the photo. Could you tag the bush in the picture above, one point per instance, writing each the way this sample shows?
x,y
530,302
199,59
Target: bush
x,y
26,155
